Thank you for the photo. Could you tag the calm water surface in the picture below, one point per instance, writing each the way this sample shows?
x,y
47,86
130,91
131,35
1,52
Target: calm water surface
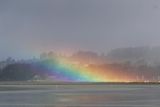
x,y
80,96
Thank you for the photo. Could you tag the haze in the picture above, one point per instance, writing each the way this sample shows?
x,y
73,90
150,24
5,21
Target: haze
x,y
29,27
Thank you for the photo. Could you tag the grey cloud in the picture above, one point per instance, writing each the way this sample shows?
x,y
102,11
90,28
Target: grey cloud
x,y
97,25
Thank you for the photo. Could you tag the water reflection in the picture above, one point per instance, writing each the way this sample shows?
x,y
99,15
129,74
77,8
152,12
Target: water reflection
x,y
130,96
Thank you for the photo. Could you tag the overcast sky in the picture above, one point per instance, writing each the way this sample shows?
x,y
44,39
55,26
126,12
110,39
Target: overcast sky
x,y
32,26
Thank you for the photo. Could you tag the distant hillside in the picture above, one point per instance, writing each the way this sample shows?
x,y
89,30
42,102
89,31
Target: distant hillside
x,y
138,55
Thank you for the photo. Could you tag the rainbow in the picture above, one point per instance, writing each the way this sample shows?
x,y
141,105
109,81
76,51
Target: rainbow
x,y
65,70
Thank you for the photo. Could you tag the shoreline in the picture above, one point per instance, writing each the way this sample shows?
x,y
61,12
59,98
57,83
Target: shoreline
x,y
74,83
